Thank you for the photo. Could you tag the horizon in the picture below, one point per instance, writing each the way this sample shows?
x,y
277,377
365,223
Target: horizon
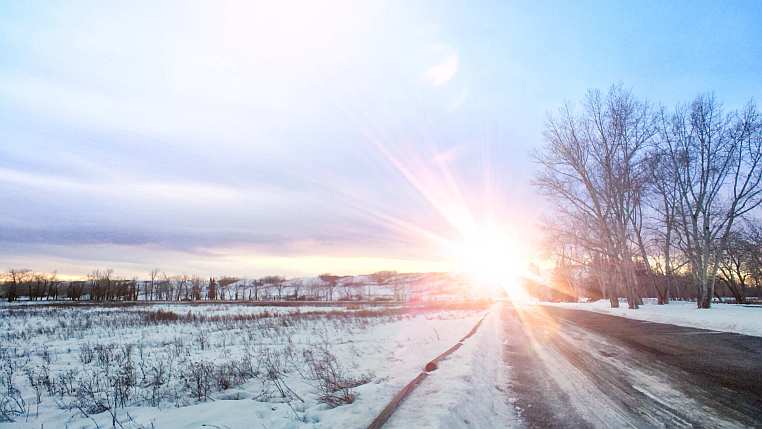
x,y
115,276
253,139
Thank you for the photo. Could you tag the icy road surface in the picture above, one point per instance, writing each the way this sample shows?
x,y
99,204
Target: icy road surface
x,y
577,369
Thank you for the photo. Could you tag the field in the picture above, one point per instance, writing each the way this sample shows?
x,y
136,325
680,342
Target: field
x,y
214,365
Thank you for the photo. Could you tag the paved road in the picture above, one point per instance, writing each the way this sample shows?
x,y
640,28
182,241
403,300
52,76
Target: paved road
x,y
578,369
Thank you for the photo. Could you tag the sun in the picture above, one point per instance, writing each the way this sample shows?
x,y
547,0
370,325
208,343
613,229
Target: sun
x,y
490,258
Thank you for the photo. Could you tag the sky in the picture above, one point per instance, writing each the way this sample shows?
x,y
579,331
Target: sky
x,y
295,138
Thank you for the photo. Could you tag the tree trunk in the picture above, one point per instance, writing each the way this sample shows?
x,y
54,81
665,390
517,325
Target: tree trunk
x,y
628,277
738,290
704,299
614,301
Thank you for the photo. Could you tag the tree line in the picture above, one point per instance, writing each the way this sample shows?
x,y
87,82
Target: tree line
x,y
104,285
653,201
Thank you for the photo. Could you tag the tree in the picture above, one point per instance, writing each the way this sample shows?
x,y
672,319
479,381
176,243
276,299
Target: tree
x,y
400,288
37,286
643,197
181,291
735,267
381,278
101,284
163,287
134,289
592,168
196,288
329,283
75,290
224,284
352,289
153,277
256,285
16,278
275,282
53,285
296,285
663,189
715,162
312,287
754,236
211,291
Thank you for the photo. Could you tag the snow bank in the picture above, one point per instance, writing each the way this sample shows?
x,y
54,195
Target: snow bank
x,y
468,388
741,319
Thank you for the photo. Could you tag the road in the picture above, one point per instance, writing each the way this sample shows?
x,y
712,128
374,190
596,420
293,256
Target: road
x,y
579,369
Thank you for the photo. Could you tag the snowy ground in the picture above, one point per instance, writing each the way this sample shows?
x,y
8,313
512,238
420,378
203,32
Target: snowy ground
x,y
740,319
467,391
234,366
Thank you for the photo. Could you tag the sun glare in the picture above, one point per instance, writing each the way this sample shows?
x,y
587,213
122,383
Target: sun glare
x,y
491,259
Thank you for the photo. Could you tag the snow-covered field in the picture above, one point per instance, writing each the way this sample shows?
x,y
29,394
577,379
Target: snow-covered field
x,y
189,366
740,319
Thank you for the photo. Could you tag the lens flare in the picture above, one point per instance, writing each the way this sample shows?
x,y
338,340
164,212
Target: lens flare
x,y
491,259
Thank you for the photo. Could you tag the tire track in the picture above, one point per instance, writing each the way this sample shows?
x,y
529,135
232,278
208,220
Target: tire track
x,y
567,374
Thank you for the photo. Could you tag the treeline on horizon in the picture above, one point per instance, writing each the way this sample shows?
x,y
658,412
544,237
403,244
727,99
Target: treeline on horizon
x,y
652,201
103,285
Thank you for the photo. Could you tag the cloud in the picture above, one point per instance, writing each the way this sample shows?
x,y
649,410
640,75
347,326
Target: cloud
x,y
442,72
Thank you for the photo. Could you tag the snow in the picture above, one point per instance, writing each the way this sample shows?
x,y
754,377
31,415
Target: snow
x,y
468,389
391,349
741,319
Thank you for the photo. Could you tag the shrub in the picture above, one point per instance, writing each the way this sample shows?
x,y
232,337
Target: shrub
x,y
334,386
198,379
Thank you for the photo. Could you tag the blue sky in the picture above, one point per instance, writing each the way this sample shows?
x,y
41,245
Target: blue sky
x,y
250,138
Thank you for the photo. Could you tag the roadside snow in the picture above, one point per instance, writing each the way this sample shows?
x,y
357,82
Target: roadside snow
x,y
390,348
740,319
468,388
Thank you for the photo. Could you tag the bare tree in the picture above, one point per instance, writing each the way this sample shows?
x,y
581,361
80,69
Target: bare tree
x,y
134,289
754,236
165,286
329,283
736,264
592,167
224,285
181,291
715,160
312,288
196,288
400,288
53,286
257,285
211,290
351,288
381,278
37,286
16,279
75,290
151,286
664,203
296,285
275,282
101,283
